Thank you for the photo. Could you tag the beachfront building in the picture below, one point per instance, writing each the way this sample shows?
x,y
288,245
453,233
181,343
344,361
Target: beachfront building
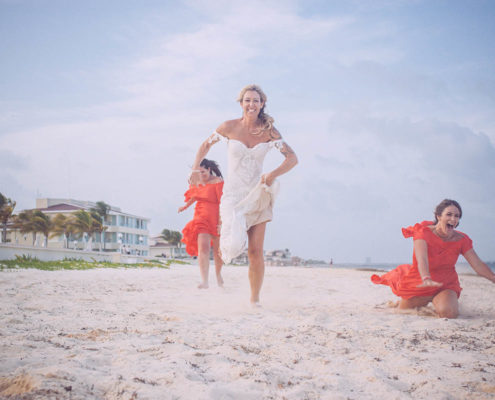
x,y
278,257
159,247
271,257
241,259
125,233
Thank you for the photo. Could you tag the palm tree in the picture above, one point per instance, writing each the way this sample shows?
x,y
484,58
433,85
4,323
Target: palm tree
x,y
172,237
176,238
6,209
98,224
42,223
85,223
63,225
166,234
101,210
24,222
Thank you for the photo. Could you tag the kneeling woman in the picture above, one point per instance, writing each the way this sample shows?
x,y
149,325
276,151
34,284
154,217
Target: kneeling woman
x,y
432,276
203,231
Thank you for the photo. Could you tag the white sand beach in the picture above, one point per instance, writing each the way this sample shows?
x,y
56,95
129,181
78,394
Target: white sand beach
x,y
321,334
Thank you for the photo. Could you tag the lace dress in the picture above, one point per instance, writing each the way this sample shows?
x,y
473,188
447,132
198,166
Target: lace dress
x,y
245,201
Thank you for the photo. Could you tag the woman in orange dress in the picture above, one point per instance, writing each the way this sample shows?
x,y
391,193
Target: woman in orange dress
x,y
203,231
432,276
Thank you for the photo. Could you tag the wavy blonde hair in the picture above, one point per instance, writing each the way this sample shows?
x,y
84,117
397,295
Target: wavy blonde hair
x,y
266,119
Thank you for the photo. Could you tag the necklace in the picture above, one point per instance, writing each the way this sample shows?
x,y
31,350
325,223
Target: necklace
x,y
257,132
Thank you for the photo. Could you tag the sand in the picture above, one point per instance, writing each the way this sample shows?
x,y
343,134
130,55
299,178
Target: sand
x,y
321,334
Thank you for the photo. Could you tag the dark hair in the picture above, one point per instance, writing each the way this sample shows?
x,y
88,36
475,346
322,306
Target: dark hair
x,y
443,205
212,166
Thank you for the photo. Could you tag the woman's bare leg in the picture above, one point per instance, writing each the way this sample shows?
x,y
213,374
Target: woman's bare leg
x,y
204,258
446,304
256,236
414,302
218,260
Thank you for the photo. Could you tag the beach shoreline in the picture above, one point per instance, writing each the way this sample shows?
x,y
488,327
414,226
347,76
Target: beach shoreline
x,y
321,333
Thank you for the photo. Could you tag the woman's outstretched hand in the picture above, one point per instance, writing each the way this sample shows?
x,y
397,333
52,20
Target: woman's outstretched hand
x,y
429,282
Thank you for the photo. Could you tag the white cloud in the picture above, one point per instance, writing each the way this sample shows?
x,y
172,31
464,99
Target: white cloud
x,y
379,144
363,178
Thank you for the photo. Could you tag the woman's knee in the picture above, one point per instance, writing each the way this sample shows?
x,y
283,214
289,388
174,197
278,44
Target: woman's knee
x,y
446,304
203,251
255,252
447,311
203,245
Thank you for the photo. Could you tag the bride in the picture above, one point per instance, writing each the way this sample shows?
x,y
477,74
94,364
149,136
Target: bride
x,y
248,194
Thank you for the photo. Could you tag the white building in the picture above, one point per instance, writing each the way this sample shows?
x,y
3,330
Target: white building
x,y
159,247
278,257
125,232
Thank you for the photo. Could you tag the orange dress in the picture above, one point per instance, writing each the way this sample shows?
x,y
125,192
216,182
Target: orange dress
x,y
206,214
442,257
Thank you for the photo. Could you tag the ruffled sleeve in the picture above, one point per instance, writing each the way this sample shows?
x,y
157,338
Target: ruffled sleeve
x,y
417,231
214,138
467,244
191,193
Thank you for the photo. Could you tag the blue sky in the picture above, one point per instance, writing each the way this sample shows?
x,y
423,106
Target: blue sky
x,y
388,104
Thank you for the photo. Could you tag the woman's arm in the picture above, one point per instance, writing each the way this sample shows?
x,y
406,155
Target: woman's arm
x,y
203,150
421,253
289,162
219,226
185,206
479,266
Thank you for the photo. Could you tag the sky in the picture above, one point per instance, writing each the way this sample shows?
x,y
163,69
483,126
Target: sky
x,y
389,106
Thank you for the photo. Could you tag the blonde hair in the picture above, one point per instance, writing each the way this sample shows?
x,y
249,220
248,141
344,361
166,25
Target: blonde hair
x,y
266,119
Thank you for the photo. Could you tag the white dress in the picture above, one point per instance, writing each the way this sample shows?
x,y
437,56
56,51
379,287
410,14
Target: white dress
x,y
245,200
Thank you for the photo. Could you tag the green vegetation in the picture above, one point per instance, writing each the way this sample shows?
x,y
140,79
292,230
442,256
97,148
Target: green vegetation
x,y
100,213
173,237
6,209
27,262
82,224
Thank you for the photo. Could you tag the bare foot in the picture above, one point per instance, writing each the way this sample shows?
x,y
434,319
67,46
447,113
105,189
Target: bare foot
x,y
393,304
220,280
203,286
